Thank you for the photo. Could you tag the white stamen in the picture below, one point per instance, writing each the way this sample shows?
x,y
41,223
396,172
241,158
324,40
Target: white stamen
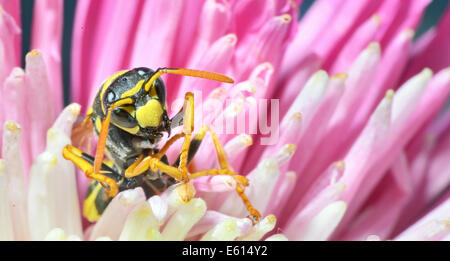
x,y
141,224
260,229
323,224
277,237
183,219
224,231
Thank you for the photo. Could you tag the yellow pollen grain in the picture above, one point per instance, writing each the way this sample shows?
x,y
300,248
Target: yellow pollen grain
x,y
75,109
230,182
427,70
2,166
231,39
271,219
268,66
373,46
409,33
34,53
247,140
340,76
390,94
297,116
143,212
12,126
1,10
51,133
286,18
340,187
151,233
339,165
290,148
376,18
446,222
230,226
53,161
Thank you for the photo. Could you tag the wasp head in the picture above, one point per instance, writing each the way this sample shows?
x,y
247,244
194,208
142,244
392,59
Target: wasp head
x,y
145,114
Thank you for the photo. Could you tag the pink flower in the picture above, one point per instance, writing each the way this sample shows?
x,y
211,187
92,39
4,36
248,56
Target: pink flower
x,y
342,110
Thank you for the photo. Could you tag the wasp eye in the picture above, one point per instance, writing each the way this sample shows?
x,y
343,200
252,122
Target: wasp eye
x,y
110,97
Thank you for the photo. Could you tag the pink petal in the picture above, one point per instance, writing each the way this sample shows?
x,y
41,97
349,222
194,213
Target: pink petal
x,y
36,77
47,37
312,26
432,55
14,108
16,180
350,15
92,59
363,35
431,226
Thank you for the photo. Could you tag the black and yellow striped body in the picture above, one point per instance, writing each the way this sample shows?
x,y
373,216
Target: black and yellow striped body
x,y
135,130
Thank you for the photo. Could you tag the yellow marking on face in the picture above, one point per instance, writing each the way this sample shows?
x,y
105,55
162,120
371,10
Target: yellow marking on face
x,y
133,90
133,130
152,92
90,111
108,82
89,209
98,124
150,114
130,110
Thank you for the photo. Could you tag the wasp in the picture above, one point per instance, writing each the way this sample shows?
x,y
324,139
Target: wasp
x,y
129,116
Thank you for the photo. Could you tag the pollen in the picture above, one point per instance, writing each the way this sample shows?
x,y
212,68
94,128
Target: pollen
x,y
2,167
75,109
231,39
247,140
34,53
286,18
376,18
340,76
390,94
297,116
339,165
12,126
409,33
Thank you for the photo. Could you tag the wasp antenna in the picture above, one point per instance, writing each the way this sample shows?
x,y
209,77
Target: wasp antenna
x,y
188,72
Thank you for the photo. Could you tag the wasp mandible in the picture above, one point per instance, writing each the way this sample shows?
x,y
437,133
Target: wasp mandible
x,y
129,115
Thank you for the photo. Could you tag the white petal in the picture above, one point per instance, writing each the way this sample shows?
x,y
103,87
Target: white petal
x,y
112,221
260,229
16,180
6,225
409,94
183,219
277,237
325,222
141,224
224,231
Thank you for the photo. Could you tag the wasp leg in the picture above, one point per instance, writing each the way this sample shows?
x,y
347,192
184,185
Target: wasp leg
x,y
153,161
76,156
225,169
188,128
